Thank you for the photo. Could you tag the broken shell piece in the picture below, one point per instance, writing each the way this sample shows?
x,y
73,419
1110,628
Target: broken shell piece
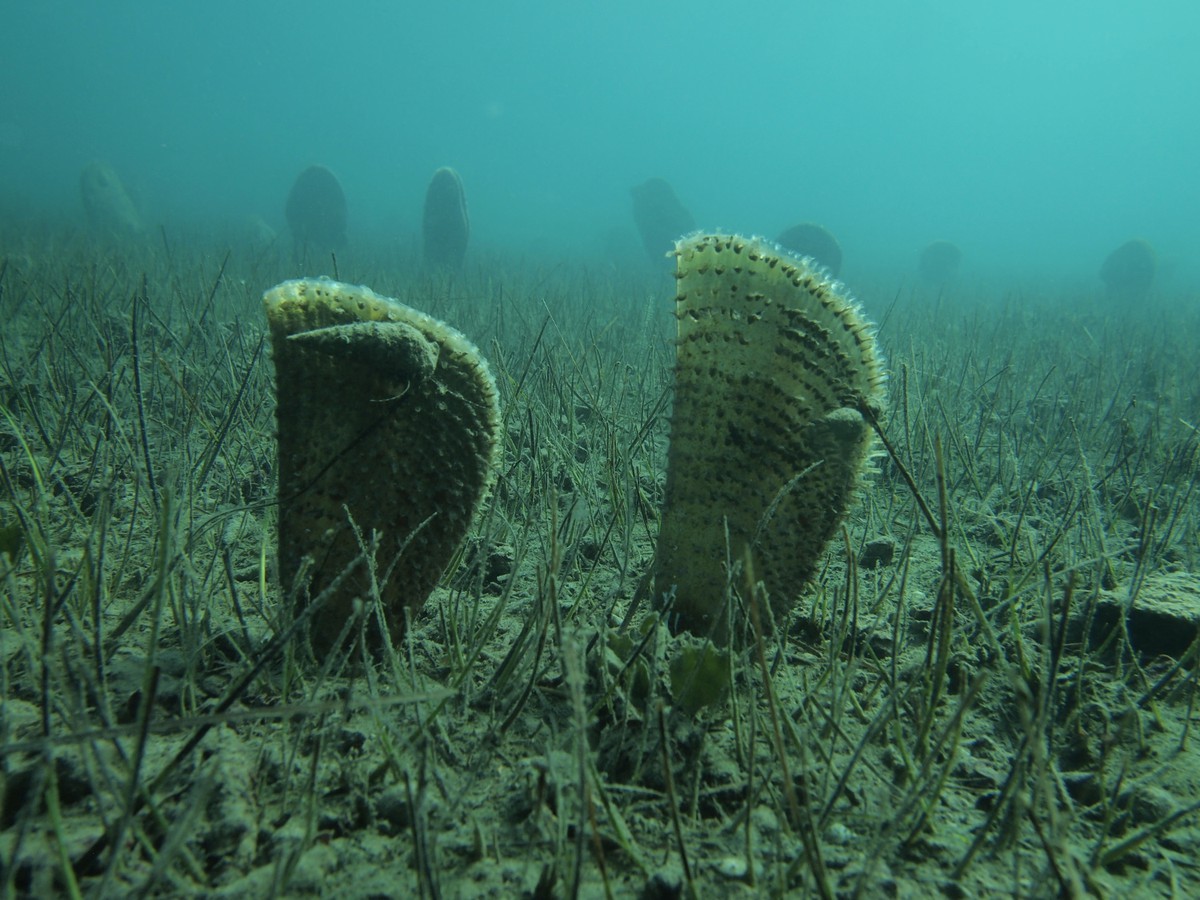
x,y
109,206
773,364
388,424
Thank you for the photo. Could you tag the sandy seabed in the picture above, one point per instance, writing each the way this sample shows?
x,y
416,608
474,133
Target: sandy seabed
x,y
988,696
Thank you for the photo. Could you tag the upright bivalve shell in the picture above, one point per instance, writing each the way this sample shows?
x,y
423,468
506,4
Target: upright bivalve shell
x,y
774,365
445,226
388,424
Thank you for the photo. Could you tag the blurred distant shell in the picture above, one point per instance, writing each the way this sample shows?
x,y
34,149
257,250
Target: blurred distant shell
x,y
257,234
939,262
774,365
814,241
107,203
446,228
660,218
316,211
1130,268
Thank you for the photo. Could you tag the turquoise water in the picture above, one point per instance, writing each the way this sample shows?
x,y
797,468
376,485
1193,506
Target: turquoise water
x,y
1037,136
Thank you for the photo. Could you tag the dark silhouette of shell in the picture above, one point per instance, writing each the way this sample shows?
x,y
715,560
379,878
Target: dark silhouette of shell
x,y
815,242
939,262
316,211
446,228
1130,268
660,218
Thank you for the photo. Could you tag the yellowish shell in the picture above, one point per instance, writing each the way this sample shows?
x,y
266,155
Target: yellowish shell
x,y
773,363
388,419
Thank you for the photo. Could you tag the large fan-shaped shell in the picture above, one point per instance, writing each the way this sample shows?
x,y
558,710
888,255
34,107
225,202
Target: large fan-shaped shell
x,y
773,364
388,419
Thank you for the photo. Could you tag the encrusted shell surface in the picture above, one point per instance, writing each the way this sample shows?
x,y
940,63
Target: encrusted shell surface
x,y
773,363
387,419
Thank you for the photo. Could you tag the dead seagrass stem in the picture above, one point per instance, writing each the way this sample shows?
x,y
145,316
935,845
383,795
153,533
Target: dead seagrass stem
x,y
387,418
773,363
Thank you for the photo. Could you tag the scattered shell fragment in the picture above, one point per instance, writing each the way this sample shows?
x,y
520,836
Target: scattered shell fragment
x,y
773,363
388,419
732,867
840,834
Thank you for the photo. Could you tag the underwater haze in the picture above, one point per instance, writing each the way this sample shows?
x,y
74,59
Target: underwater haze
x,y
1037,136
502,563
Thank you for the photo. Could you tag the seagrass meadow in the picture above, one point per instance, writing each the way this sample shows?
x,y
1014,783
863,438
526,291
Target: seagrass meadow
x,y
986,689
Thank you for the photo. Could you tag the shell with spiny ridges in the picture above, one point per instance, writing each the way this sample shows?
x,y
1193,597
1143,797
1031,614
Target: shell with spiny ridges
x,y
774,363
387,419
